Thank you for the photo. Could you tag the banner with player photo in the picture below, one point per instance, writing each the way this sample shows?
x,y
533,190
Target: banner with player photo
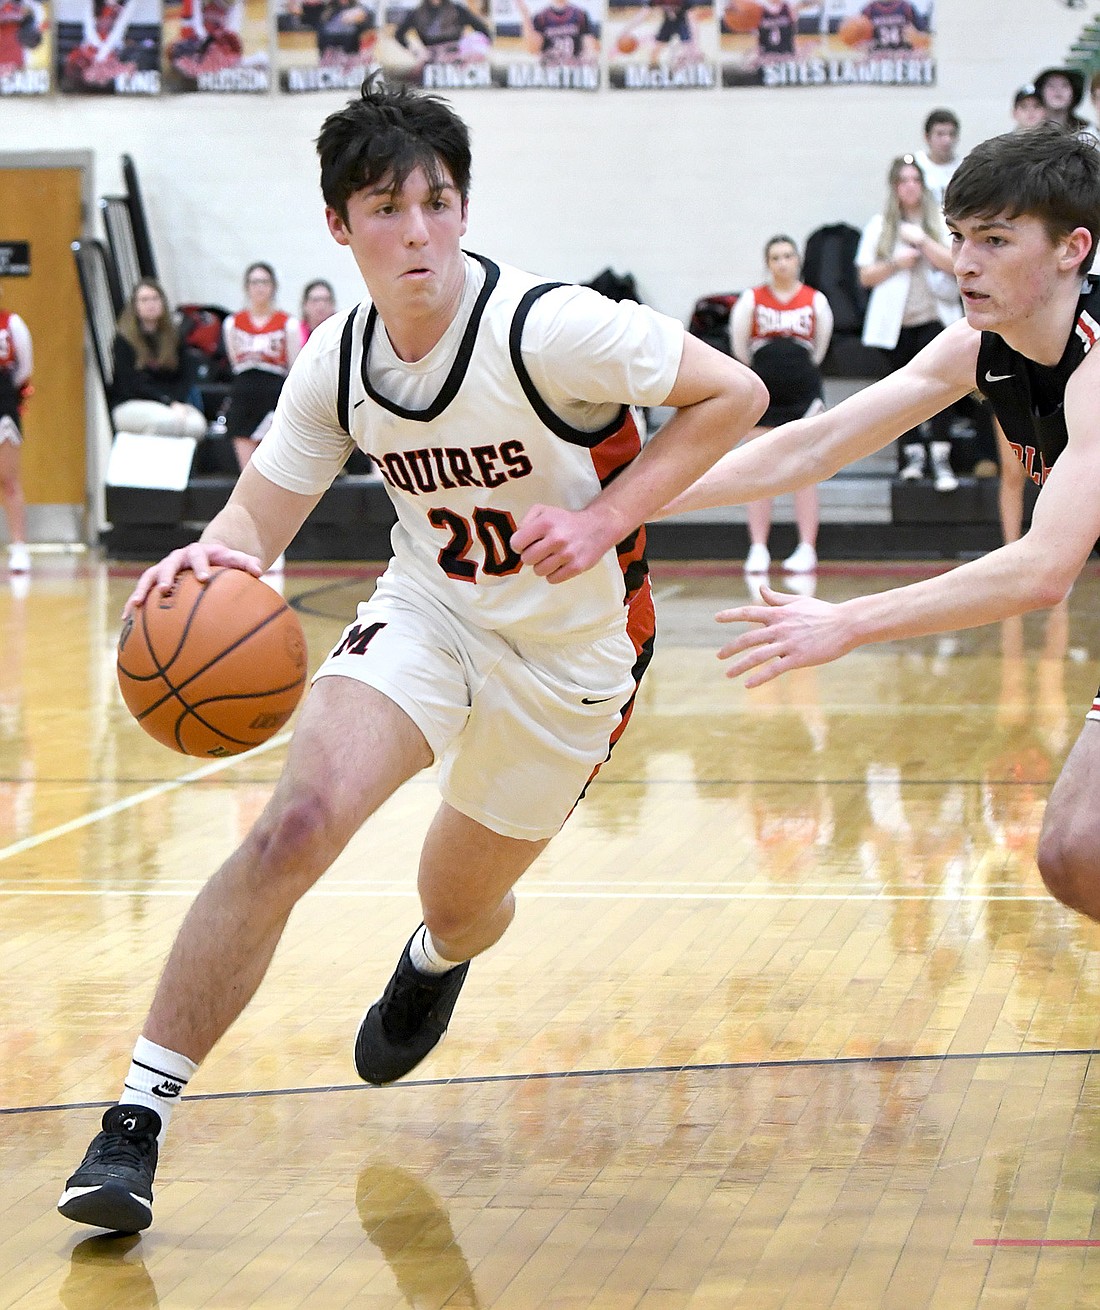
x,y
777,43
440,45
108,47
325,45
216,45
549,44
25,48
661,44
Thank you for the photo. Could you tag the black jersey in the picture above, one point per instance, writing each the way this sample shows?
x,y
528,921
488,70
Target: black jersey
x,y
776,31
1028,398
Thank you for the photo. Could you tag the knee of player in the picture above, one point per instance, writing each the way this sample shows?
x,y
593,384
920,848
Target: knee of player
x,y
1069,862
449,919
296,838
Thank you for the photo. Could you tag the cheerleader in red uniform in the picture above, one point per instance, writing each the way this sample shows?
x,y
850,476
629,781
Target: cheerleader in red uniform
x,y
781,330
261,342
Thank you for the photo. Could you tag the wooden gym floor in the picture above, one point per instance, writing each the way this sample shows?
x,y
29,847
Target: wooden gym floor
x,y
786,1018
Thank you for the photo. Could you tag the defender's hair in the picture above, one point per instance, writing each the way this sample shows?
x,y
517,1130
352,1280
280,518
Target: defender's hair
x,y
384,136
1048,173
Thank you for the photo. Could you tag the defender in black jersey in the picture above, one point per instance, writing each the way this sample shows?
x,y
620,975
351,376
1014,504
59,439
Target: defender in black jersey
x,y
1024,215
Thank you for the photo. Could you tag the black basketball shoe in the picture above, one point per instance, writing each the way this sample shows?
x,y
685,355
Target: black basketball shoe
x,y
113,1188
400,1029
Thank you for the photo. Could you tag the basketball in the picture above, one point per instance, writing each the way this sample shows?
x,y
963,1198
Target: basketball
x,y
627,43
212,668
856,30
742,16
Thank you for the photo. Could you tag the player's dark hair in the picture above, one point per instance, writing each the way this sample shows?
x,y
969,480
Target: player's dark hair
x,y
940,116
384,136
1048,173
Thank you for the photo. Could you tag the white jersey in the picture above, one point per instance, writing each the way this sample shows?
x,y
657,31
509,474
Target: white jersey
x,y
519,404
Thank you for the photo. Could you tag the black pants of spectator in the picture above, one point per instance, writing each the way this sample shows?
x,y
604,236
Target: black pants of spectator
x,y
911,341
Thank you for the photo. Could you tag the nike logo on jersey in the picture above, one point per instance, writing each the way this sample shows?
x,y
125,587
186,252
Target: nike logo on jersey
x,y
997,377
596,700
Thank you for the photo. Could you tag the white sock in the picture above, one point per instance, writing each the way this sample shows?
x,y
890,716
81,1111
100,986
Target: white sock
x,y
425,958
156,1080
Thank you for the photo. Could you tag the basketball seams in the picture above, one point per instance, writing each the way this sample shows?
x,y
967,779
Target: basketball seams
x,y
161,670
175,691
209,711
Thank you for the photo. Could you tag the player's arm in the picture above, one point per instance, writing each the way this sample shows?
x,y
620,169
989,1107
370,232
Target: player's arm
x,y
1034,572
810,450
740,327
717,401
252,528
531,39
823,327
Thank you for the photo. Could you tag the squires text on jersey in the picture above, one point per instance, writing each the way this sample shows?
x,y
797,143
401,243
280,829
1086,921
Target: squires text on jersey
x,y
441,468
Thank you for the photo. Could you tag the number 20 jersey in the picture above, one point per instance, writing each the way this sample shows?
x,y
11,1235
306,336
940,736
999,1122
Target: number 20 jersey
x,y
464,468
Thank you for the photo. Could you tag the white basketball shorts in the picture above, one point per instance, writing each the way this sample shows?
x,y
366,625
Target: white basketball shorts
x,y
518,727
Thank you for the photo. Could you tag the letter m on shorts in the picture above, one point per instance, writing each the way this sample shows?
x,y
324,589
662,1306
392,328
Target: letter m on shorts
x,y
357,639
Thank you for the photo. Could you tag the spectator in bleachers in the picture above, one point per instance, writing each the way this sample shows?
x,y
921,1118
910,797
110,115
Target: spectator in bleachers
x,y
262,343
938,160
1027,108
781,330
1060,91
903,257
318,303
152,390
16,361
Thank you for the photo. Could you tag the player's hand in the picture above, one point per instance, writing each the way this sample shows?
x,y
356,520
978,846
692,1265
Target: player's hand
x,y
789,632
560,544
200,557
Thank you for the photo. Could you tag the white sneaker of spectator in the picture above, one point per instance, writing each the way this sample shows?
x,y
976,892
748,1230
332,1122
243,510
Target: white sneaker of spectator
x,y
803,560
945,479
914,462
19,558
758,560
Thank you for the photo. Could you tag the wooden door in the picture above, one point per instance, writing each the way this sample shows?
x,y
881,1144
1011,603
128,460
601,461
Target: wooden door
x,y
43,207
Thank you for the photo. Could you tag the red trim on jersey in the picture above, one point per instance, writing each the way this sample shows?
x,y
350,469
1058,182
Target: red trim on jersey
x,y
1087,330
7,341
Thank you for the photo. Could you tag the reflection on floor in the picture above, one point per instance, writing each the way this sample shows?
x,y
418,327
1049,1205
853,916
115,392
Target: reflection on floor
x,y
786,1017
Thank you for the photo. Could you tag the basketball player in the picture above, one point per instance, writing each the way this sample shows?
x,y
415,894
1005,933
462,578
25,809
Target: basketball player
x,y
508,634
776,31
16,362
894,22
1024,215
560,33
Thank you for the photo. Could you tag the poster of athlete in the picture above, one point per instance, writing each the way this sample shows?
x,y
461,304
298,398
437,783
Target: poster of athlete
x,y
549,44
441,45
661,44
216,45
325,45
24,48
778,43
108,47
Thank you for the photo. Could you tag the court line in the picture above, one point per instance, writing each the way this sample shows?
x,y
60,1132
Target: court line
x,y
1037,1241
565,1075
139,798
533,893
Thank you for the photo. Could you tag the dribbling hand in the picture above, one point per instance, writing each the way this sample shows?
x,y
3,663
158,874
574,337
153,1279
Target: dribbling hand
x,y
199,557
